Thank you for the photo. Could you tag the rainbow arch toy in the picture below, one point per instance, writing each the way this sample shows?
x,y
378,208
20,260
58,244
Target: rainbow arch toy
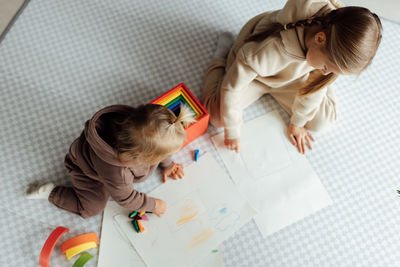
x,y
178,95
70,247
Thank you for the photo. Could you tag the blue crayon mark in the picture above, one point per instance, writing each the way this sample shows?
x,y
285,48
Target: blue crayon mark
x,y
223,210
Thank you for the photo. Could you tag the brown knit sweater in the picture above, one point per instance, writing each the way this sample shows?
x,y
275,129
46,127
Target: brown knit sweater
x,y
97,160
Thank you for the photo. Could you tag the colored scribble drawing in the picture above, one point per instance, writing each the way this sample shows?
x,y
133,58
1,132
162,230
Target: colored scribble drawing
x,y
218,210
185,213
223,217
201,237
223,210
188,212
227,221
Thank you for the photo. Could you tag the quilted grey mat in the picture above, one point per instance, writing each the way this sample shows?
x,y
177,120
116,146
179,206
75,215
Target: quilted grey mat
x,y
63,60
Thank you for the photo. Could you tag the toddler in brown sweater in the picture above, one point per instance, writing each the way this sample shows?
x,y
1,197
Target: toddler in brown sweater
x,y
119,146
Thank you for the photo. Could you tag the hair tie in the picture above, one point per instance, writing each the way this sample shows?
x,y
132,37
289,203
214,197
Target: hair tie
x,y
284,26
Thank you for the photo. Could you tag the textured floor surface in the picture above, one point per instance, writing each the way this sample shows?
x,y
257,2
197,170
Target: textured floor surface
x,y
62,61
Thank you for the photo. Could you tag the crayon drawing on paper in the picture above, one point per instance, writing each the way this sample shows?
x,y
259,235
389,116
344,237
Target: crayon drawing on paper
x,y
203,210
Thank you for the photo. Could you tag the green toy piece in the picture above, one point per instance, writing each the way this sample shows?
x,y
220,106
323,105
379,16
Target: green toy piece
x,y
82,260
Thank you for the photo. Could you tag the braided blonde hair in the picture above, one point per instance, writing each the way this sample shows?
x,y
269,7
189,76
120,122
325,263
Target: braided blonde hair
x,y
353,36
150,133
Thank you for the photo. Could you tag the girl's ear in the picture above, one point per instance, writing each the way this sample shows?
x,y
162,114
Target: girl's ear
x,y
320,38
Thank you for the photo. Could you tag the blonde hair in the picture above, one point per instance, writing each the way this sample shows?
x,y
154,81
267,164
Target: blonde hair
x,y
353,36
150,133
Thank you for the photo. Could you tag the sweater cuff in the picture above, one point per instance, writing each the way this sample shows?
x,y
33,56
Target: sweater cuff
x,y
166,163
232,132
298,120
150,205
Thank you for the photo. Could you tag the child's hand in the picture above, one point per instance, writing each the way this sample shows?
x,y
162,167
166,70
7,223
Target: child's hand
x,y
175,171
300,137
232,144
161,207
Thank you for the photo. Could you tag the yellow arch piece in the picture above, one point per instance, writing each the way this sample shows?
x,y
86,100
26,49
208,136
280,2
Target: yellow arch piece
x,y
78,249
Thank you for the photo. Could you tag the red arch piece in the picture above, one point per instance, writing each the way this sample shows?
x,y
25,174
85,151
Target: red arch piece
x,y
49,245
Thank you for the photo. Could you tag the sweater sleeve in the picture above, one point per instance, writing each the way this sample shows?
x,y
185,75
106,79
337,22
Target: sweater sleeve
x,y
233,88
305,107
166,163
126,196
252,60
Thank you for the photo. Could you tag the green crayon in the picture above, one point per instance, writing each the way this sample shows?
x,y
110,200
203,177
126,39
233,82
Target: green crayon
x,y
132,214
135,225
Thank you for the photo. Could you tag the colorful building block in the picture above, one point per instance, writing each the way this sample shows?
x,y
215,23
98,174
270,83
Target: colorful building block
x,y
180,94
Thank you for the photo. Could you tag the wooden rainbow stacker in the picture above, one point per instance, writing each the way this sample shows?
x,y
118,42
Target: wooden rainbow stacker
x,y
178,95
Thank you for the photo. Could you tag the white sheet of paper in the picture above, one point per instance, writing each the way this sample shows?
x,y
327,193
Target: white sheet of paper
x,y
117,250
290,191
262,161
206,208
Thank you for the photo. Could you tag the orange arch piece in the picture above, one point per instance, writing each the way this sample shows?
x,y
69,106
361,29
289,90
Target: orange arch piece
x,y
49,245
78,240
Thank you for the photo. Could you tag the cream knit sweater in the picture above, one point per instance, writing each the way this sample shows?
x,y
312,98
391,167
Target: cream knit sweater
x,y
277,63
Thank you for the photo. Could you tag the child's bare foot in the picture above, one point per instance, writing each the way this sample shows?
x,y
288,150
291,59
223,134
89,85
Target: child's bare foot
x,y
39,191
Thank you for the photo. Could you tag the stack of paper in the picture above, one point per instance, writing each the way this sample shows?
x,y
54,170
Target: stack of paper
x,y
270,172
204,209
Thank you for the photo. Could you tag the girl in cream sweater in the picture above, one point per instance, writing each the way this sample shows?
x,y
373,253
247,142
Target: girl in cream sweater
x,y
293,54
